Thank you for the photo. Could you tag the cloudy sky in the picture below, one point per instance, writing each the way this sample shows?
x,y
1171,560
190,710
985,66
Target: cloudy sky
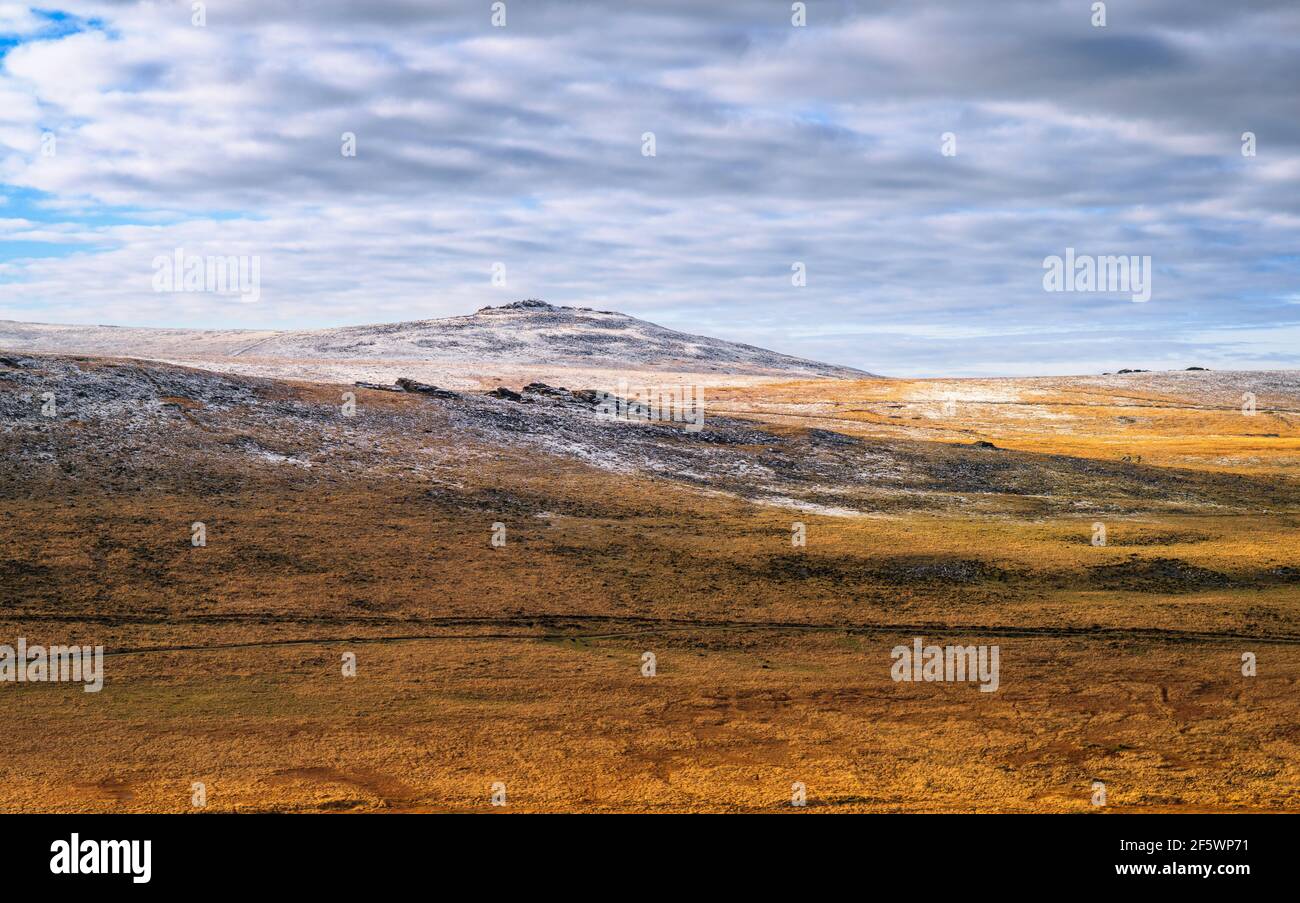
x,y
127,131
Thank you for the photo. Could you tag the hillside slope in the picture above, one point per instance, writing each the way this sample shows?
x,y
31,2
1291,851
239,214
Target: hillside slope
x,y
523,334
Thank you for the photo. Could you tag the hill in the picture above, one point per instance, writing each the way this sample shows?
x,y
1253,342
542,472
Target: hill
x,y
500,343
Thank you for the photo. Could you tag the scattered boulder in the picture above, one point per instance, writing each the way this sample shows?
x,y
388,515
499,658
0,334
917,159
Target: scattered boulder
x,y
378,387
410,385
508,395
544,389
1198,368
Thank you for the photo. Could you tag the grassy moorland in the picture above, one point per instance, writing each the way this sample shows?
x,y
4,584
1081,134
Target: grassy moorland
x,y
522,663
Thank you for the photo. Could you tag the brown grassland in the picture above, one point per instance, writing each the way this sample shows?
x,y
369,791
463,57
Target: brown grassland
x,y
522,664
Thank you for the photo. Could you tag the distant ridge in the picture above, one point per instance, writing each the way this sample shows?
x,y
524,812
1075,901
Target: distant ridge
x,y
529,332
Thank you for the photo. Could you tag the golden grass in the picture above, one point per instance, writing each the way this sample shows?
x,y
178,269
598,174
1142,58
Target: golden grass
x,y
1083,421
522,664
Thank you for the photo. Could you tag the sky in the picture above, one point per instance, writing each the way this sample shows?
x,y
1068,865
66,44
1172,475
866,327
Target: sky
x,y
919,160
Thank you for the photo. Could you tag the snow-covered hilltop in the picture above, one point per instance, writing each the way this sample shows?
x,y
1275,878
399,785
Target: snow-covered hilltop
x,y
526,333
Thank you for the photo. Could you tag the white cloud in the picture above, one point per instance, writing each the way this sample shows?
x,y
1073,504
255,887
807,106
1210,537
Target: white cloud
x,y
775,144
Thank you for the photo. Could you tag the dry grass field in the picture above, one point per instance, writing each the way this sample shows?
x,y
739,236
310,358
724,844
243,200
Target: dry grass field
x,y
521,664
